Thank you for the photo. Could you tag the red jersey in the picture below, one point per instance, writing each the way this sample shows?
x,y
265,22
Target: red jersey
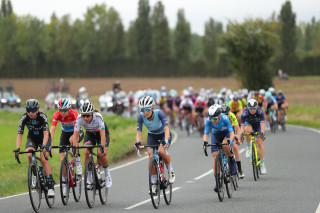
x,y
68,122
200,104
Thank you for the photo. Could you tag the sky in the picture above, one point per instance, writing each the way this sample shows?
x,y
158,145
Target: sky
x,y
197,12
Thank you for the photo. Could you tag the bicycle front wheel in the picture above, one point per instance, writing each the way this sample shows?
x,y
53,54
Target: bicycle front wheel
x,y
228,179
90,183
254,162
219,176
77,182
103,190
166,185
154,194
34,187
64,182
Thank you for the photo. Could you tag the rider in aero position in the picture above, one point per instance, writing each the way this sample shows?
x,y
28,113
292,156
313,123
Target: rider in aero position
x,y
158,129
222,131
97,133
67,118
38,135
282,104
234,122
252,119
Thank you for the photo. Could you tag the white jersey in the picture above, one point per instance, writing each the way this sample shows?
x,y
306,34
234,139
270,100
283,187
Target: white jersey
x,y
96,124
186,102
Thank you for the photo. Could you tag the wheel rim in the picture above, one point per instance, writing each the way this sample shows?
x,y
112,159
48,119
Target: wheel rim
x,y
155,198
34,187
167,192
90,189
64,170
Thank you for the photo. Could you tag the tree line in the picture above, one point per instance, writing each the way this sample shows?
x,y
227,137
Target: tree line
x,y
99,46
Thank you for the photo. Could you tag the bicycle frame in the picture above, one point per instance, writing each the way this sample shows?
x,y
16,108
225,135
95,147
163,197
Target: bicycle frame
x,y
254,156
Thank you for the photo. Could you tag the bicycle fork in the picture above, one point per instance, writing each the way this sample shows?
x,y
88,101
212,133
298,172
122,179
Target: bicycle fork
x,y
255,151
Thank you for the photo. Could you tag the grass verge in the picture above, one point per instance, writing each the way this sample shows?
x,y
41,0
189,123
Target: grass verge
x,y
304,115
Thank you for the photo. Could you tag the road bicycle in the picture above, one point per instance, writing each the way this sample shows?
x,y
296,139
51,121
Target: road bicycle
x,y
282,121
200,126
158,167
37,183
98,178
254,156
222,170
73,180
273,120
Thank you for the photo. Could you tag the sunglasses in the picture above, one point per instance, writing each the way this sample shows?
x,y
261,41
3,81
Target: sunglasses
x,y
86,115
251,109
145,110
33,110
213,118
64,110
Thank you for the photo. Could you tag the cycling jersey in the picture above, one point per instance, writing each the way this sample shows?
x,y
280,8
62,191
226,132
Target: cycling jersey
x,y
67,123
260,99
156,125
95,125
233,119
186,102
271,101
281,100
235,106
36,126
252,119
224,126
170,102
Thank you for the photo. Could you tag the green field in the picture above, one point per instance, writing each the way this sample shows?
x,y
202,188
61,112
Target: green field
x,y
304,115
13,176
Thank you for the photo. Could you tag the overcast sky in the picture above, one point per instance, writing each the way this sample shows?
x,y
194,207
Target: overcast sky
x,y
197,12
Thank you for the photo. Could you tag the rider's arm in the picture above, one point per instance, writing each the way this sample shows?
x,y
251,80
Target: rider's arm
x,y
45,129
45,137
103,137
138,136
205,137
19,140
77,128
52,131
206,130
166,132
262,124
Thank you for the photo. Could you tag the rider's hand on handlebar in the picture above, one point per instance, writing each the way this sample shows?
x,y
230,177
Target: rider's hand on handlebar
x,y
137,145
16,152
205,144
166,144
262,136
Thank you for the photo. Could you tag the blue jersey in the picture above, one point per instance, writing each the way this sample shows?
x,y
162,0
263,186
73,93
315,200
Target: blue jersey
x,y
224,126
252,119
280,100
156,125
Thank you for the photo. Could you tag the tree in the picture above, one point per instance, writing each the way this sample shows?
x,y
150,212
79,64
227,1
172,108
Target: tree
x,y
143,32
250,46
160,35
210,42
182,39
288,37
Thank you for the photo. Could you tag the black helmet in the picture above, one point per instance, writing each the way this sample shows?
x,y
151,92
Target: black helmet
x,y
32,104
214,110
225,108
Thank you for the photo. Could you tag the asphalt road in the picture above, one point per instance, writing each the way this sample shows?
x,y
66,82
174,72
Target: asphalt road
x,y
290,185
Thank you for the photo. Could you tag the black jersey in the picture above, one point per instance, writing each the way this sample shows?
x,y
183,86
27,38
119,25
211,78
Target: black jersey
x,y
36,126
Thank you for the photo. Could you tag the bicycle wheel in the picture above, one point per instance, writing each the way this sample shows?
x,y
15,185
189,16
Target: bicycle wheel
x,y
155,197
64,183
235,181
228,179
254,161
90,183
165,185
103,190
49,200
34,187
77,182
219,176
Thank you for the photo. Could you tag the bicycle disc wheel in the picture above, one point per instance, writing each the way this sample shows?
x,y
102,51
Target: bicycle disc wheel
x,y
103,190
34,187
219,176
228,180
90,183
254,162
167,186
77,181
155,197
64,184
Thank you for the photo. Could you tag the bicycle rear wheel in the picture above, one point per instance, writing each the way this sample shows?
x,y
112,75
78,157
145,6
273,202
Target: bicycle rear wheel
x,y
90,183
64,183
34,187
219,176
166,185
77,181
103,190
254,161
155,197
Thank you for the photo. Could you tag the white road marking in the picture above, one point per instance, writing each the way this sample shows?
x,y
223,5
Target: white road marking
x,y
318,209
148,200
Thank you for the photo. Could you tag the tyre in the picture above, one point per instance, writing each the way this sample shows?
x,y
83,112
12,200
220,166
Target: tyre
x,y
90,187
228,180
155,197
34,187
64,172
254,160
77,181
103,190
219,176
167,187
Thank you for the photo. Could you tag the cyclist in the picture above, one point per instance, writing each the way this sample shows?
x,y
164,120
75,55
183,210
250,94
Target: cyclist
x,y
259,97
234,122
252,119
158,129
97,133
271,104
222,131
200,108
186,107
67,118
38,136
236,107
282,104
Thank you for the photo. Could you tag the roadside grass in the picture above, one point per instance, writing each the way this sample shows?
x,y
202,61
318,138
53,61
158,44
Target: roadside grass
x,y
13,176
304,115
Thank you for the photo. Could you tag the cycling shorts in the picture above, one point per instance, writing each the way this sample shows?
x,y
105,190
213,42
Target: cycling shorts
x,y
36,142
187,109
153,139
93,138
218,138
65,136
255,127
199,110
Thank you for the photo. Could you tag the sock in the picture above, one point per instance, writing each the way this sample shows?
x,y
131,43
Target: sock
x,y
239,166
262,162
169,167
153,179
106,170
78,160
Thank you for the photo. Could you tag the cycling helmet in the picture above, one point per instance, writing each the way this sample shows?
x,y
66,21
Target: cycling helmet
x,y
214,110
280,92
252,103
199,98
32,104
235,98
271,89
82,89
262,91
268,94
146,102
225,108
64,103
186,93
86,108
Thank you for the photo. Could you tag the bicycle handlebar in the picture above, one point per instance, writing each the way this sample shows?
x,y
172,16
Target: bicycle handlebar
x,y
220,144
30,151
151,146
252,133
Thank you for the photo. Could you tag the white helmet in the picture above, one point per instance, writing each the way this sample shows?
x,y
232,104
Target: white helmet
x,y
186,93
199,98
163,88
146,102
214,110
262,91
190,88
82,89
252,103
271,89
86,107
